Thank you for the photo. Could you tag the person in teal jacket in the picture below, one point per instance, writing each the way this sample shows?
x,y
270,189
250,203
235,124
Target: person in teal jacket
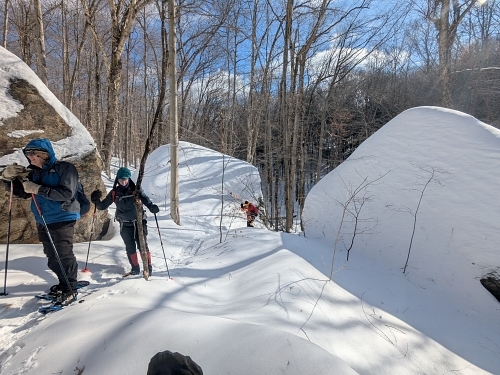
x,y
123,195
53,184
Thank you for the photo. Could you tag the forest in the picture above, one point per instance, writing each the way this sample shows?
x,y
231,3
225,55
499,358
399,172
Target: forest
x,y
292,87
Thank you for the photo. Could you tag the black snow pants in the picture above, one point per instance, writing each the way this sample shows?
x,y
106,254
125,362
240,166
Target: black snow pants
x,y
130,236
62,237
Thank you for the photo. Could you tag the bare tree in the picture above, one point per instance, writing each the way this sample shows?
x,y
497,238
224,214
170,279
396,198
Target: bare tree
x,y
5,24
432,171
351,207
41,60
71,66
174,132
22,20
122,16
447,16
147,147
252,119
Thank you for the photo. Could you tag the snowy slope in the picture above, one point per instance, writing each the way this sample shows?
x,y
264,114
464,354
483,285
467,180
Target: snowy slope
x,y
449,161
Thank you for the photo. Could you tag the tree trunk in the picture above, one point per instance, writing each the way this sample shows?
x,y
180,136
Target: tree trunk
x,y
5,24
445,43
109,138
284,116
142,240
76,67
251,123
446,23
147,147
41,61
174,132
65,56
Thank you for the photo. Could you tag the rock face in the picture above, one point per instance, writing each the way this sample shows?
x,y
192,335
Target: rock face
x,y
39,119
492,283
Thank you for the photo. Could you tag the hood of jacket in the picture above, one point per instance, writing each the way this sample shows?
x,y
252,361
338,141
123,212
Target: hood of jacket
x,y
44,145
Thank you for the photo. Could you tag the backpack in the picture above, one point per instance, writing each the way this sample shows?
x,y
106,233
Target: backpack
x,y
82,199
80,193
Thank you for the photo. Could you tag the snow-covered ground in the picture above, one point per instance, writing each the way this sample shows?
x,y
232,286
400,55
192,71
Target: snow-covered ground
x,y
260,302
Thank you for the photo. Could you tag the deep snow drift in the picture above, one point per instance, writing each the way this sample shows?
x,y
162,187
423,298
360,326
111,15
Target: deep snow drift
x,y
426,184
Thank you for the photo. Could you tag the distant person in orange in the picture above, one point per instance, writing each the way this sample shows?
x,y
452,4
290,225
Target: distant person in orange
x,y
251,212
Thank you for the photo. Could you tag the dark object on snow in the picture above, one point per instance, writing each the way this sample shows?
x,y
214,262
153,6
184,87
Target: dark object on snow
x,y
168,363
492,285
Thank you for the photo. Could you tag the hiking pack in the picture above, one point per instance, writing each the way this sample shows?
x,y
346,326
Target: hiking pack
x,y
254,210
82,199
80,193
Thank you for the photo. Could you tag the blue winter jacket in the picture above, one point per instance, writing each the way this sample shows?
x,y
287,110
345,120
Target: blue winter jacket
x,y
58,180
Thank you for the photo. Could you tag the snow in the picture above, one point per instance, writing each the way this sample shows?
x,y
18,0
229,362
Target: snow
x,y
77,145
252,301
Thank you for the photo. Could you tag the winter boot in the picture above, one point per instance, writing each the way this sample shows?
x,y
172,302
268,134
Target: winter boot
x,y
54,289
65,298
135,270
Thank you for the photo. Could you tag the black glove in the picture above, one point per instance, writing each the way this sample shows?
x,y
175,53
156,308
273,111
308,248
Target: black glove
x,y
154,209
96,196
242,205
18,189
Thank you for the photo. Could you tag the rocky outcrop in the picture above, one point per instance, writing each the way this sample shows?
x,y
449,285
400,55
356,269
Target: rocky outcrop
x,y
492,284
41,115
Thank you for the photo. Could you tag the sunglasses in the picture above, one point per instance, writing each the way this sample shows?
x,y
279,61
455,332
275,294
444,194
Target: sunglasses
x,y
122,180
36,153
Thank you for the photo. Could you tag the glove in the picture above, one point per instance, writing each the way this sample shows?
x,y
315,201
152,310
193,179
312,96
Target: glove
x,y
17,189
96,196
242,205
154,209
13,171
30,187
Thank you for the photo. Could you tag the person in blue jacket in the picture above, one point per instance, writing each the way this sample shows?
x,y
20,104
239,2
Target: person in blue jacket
x,y
53,184
123,194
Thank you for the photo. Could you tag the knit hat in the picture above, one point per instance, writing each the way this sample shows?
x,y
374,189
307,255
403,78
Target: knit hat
x,y
123,173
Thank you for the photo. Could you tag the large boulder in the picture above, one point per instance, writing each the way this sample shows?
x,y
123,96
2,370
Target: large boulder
x,y
31,111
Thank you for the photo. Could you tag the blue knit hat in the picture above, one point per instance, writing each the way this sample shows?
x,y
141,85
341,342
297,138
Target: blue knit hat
x,y
123,173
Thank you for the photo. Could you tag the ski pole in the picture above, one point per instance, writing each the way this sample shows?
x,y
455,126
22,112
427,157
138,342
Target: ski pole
x,y
66,280
85,269
8,240
161,242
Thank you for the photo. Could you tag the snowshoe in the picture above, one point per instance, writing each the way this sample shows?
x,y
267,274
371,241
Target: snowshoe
x,y
62,300
131,273
52,294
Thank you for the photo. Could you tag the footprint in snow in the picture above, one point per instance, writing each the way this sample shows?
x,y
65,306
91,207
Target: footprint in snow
x,y
111,293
